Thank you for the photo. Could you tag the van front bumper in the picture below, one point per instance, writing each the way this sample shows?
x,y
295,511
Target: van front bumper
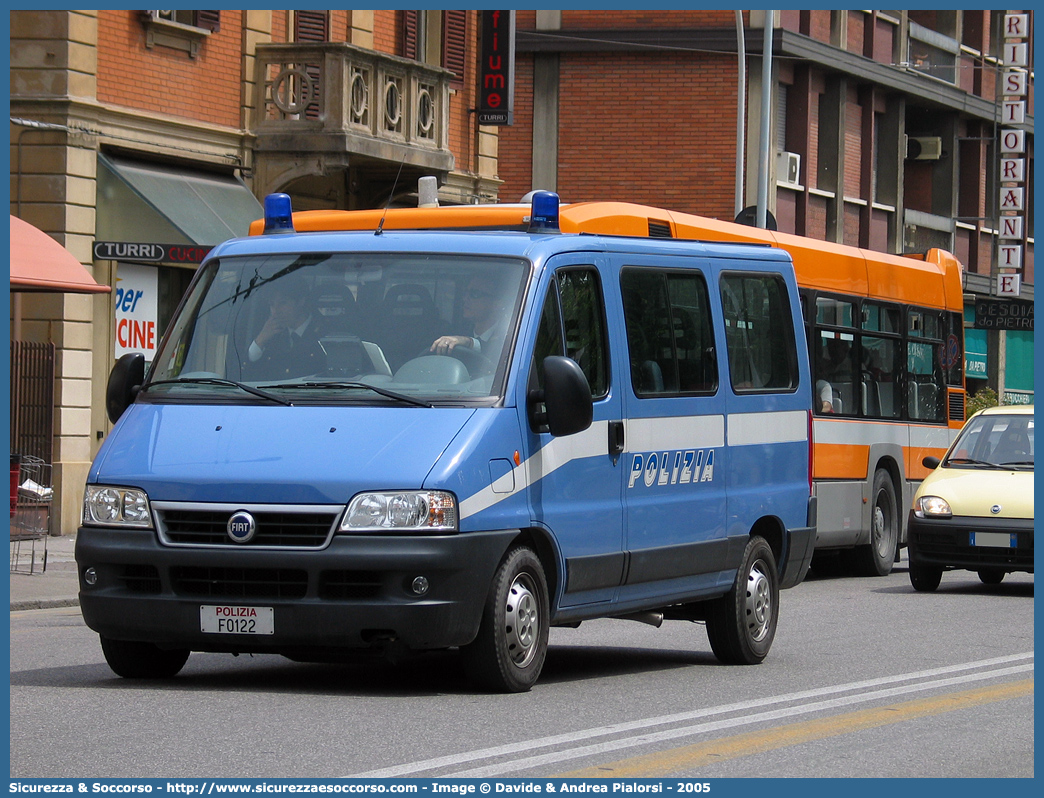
x,y
357,592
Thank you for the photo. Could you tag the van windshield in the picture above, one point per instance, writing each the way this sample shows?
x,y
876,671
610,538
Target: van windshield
x,y
329,328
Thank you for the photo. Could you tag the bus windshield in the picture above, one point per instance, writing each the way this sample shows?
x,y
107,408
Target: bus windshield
x,y
341,327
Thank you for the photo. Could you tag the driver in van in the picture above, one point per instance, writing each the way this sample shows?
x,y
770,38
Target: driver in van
x,y
288,343
485,313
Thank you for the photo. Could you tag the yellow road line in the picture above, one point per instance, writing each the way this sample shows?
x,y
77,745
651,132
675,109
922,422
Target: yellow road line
x,y
694,756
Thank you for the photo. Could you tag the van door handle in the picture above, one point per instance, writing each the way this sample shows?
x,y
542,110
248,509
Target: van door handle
x,y
616,438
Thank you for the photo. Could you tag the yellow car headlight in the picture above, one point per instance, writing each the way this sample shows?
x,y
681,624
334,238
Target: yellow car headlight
x,y
933,507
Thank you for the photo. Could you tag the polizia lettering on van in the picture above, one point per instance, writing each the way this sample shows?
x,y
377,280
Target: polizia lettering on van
x,y
672,468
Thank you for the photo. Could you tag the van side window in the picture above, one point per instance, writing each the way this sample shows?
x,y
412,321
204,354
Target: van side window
x,y
669,338
759,333
572,324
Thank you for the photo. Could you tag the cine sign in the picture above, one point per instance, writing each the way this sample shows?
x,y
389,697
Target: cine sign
x,y
497,69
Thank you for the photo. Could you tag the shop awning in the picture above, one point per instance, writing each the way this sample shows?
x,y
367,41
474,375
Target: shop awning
x,y
140,201
39,263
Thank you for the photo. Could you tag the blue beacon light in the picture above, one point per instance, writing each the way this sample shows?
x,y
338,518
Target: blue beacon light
x,y
278,214
543,217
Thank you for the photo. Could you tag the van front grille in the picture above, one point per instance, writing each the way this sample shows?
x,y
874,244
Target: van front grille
x,y
239,583
283,527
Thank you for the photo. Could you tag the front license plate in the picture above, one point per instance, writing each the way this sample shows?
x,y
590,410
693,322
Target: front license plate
x,y
994,540
231,620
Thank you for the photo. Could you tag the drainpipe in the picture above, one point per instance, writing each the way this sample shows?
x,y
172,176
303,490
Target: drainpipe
x,y
766,108
741,106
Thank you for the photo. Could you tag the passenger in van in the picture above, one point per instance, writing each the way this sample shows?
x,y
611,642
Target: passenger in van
x,y
486,316
288,343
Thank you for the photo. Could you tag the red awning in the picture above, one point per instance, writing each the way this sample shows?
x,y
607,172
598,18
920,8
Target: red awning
x,y
39,263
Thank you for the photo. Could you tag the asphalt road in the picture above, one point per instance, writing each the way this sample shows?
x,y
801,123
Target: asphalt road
x,y
866,678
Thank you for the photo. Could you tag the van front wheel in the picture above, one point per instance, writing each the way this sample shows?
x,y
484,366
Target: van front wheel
x,y
508,653
742,623
135,660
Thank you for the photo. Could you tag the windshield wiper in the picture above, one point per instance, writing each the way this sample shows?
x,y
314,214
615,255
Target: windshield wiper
x,y
400,397
219,381
969,461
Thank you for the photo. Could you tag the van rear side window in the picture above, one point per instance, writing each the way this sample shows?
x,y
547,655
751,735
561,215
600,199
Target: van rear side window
x,y
758,333
669,338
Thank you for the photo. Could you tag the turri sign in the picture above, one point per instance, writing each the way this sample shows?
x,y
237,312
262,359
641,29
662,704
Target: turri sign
x,y
150,253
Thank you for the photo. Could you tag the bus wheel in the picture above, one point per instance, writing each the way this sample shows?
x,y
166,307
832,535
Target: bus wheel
x,y
509,652
925,578
135,660
742,623
877,557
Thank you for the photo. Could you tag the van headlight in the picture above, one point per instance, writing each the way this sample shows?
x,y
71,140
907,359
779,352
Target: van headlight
x,y
933,507
106,505
401,511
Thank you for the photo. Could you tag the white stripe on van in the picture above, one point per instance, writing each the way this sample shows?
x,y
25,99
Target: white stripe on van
x,y
679,432
751,429
592,442
648,435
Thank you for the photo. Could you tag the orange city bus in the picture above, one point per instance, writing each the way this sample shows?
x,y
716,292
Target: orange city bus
x,y
886,342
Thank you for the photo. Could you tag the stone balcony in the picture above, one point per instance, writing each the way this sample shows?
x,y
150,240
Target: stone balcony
x,y
322,108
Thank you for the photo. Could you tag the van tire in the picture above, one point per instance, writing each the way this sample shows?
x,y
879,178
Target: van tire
x,y
509,651
991,576
878,556
742,623
134,660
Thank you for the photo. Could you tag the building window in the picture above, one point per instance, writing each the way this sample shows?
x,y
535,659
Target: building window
x,y
932,53
454,43
180,30
438,38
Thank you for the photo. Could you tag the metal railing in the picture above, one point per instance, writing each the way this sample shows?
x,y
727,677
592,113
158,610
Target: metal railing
x,y
32,399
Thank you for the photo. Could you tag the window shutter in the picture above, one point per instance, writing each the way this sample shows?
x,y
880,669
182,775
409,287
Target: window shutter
x,y
409,34
209,20
454,43
310,26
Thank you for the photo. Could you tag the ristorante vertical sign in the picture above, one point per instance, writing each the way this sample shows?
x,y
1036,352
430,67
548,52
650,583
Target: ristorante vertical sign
x,y
1011,235
497,69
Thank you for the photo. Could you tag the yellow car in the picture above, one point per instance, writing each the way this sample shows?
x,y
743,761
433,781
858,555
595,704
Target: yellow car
x,y
975,510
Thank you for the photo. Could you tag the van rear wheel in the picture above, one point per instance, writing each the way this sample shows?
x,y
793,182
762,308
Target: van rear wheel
x,y
742,623
135,660
508,653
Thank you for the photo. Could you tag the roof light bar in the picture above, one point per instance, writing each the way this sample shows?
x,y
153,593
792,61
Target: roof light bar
x,y
279,217
543,218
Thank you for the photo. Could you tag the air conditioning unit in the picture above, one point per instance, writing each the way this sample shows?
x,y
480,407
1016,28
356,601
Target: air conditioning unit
x,y
923,148
788,168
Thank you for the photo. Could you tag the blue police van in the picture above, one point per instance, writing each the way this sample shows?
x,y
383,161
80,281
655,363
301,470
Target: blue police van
x,y
412,440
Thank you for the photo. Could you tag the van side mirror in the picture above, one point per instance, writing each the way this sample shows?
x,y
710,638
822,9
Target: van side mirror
x,y
125,380
568,407
931,462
